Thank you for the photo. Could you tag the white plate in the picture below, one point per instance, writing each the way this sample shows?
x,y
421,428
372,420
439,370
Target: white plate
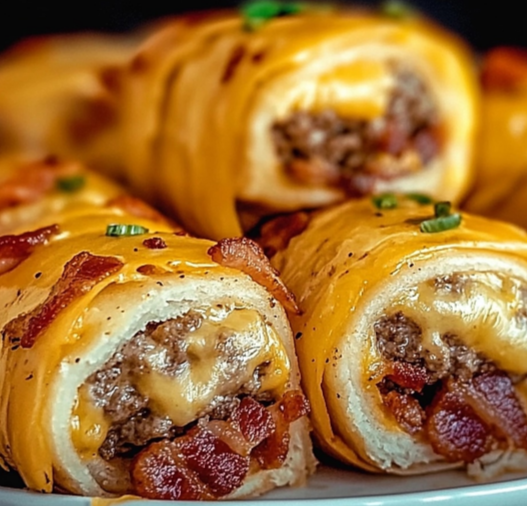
x,y
339,487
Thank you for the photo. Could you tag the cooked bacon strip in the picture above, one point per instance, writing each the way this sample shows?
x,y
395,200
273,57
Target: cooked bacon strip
x,y
408,375
272,451
220,468
247,256
14,249
313,172
454,429
276,233
140,209
492,397
33,180
160,472
255,423
504,68
406,410
154,243
211,460
80,275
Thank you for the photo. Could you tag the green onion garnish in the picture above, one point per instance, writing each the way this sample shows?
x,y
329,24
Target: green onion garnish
x,y
396,9
385,201
420,198
442,209
259,12
120,230
440,224
71,184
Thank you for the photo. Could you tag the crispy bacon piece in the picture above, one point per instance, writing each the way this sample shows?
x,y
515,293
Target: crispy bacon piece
x,y
80,275
293,406
505,68
154,243
220,468
454,429
247,256
313,172
14,249
254,421
33,180
276,233
160,472
406,410
213,458
491,395
140,209
408,375
272,451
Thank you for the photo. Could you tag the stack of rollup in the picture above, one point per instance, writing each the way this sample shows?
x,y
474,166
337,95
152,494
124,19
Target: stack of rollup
x,y
136,359
156,363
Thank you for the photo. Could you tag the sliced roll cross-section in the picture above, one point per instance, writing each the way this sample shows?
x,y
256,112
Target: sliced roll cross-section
x,y
307,110
413,340
145,361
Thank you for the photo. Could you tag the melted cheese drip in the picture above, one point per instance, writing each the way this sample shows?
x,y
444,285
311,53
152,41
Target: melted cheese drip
x,y
206,375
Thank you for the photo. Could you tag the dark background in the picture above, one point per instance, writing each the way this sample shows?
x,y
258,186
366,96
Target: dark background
x,y
483,23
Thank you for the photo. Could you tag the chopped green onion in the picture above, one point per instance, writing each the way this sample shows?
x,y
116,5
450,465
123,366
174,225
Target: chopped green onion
x,y
259,12
420,198
442,209
440,224
120,230
71,184
385,201
396,9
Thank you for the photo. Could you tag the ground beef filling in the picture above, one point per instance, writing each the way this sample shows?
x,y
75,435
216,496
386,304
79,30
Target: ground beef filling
x,y
133,423
324,148
460,403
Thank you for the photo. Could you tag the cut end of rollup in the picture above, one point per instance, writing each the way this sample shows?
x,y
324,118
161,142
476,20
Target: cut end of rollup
x,y
451,377
360,152
198,401
424,367
146,361
322,107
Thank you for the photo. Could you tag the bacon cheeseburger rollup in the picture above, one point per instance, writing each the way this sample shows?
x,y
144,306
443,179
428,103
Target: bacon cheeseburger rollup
x,y
412,342
58,96
141,362
303,111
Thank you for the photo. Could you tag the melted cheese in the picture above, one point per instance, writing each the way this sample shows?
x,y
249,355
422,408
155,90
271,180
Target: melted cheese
x,y
486,312
358,89
88,425
223,355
